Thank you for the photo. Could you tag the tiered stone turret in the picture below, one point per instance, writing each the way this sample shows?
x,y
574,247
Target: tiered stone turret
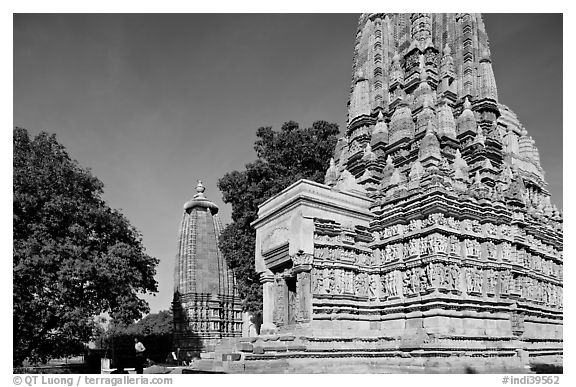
x,y
206,305
435,233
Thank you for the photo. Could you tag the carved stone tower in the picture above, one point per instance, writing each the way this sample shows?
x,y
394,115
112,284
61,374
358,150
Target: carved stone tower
x,y
435,232
206,306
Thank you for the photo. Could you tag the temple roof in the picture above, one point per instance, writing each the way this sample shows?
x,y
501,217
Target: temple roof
x,y
200,266
200,201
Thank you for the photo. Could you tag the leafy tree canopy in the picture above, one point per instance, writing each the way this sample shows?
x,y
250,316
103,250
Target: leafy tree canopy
x,y
153,324
284,157
74,257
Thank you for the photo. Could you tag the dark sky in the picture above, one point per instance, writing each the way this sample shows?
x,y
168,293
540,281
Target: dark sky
x,y
153,102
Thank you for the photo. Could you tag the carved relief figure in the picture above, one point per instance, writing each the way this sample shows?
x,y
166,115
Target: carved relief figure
x,y
316,282
349,282
279,303
373,287
414,247
361,284
469,247
338,283
428,246
440,275
491,282
455,276
490,251
327,281
407,288
469,279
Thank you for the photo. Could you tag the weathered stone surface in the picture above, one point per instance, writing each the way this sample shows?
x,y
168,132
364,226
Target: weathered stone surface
x,y
287,338
204,287
295,347
245,347
434,246
231,357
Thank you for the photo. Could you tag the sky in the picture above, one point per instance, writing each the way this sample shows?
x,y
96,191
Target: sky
x,y
153,102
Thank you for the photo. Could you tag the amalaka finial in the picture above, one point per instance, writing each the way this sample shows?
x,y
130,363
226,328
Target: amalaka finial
x,y
200,187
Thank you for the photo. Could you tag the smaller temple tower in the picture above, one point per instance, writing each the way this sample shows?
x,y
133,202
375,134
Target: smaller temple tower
x,y
206,305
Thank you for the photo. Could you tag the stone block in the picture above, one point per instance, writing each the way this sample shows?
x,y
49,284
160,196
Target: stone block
x,y
287,338
295,347
245,347
206,355
270,338
413,323
231,356
375,325
234,367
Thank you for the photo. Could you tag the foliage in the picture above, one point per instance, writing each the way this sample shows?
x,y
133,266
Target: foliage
x,y
155,323
284,157
154,331
73,256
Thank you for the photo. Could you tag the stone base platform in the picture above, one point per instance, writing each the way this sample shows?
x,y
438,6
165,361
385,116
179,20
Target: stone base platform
x,y
288,353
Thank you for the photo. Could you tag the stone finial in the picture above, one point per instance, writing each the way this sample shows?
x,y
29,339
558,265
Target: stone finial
x,y
507,172
380,133
389,162
200,187
480,135
447,51
477,178
467,104
429,153
331,176
416,171
459,162
396,177
446,122
200,190
200,200
368,154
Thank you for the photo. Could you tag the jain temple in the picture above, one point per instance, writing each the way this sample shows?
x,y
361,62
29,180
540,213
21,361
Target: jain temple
x,y
432,246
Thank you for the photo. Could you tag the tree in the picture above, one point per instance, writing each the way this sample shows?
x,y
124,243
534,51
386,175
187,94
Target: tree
x,y
74,256
154,330
284,157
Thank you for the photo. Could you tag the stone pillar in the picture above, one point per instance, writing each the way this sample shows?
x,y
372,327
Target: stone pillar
x,y
268,294
304,294
302,270
280,314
